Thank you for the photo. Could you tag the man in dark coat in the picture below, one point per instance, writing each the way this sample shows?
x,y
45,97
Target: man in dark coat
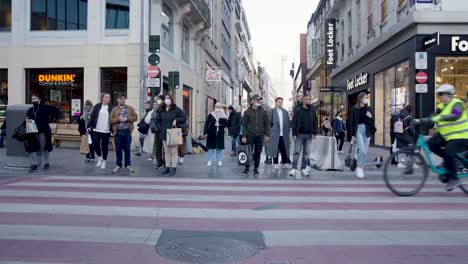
x,y
234,125
255,131
41,115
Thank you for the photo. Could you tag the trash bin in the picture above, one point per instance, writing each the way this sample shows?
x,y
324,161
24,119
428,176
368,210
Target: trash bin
x,y
15,151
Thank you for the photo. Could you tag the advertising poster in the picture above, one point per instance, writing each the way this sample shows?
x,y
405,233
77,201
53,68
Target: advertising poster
x,y
76,107
55,95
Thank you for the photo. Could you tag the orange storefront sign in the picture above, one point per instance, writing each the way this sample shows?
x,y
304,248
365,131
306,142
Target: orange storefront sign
x,y
56,77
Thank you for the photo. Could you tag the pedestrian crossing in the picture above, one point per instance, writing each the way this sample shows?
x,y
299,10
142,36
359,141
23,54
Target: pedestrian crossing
x,y
83,219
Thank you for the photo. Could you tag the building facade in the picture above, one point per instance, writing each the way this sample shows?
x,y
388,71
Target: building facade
x,y
71,51
377,45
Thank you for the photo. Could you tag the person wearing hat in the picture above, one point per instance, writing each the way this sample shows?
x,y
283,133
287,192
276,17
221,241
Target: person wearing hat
x,y
452,132
256,130
121,119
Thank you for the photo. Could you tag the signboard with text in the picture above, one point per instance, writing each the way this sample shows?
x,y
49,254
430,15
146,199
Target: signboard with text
x,y
330,43
421,60
431,41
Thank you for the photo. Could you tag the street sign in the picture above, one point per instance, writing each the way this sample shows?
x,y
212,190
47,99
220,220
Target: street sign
x,y
431,41
153,71
421,61
153,59
421,88
421,77
153,82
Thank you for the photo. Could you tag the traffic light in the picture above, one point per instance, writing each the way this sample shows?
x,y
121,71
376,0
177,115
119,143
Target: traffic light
x,y
174,80
154,43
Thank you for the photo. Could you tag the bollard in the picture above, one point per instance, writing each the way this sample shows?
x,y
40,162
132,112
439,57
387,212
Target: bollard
x,y
15,151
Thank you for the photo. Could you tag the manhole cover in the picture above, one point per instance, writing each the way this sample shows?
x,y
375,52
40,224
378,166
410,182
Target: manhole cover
x,y
206,250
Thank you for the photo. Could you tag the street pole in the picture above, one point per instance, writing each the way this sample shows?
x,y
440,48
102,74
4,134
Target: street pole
x,y
142,57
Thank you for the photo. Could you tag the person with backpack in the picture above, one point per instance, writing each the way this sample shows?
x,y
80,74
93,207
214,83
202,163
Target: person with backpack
x,y
143,128
404,133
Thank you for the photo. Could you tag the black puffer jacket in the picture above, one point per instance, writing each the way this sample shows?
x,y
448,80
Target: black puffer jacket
x,y
165,118
234,124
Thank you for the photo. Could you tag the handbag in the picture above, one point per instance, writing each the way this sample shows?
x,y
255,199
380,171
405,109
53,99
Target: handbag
x,y
84,146
244,155
31,126
174,136
143,127
350,161
20,133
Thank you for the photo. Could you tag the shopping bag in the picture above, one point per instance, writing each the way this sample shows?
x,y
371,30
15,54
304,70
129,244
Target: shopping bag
x,y
244,155
90,140
84,147
174,137
31,126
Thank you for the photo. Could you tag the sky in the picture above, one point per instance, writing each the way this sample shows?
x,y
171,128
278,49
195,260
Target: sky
x,y
275,27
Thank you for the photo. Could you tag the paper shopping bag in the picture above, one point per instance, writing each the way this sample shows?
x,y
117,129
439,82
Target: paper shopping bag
x,y
31,126
174,136
84,147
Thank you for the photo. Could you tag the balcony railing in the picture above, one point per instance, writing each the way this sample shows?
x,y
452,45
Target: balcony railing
x,y
204,10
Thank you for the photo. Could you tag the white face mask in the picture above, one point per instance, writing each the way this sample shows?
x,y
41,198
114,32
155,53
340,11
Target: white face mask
x,y
218,109
258,104
365,101
159,102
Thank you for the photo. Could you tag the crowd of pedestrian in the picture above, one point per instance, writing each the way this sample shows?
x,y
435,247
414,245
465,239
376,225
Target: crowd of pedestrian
x,y
258,128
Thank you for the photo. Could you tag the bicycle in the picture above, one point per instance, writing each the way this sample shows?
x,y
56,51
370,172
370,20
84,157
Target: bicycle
x,y
406,181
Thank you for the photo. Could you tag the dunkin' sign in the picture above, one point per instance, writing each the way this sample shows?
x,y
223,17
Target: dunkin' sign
x,y
56,79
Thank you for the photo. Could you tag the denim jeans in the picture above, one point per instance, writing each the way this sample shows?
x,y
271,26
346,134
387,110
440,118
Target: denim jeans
x,y
123,139
219,154
362,142
302,145
234,142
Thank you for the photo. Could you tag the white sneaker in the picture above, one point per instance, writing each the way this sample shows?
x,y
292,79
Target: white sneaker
x,y
116,169
181,160
305,172
155,162
209,164
150,159
340,152
130,169
415,166
287,166
401,165
308,169
220,163
360,173
99,163
292,172
276,167
103,165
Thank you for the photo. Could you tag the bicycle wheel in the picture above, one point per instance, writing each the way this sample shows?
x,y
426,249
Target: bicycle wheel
x,y
409,176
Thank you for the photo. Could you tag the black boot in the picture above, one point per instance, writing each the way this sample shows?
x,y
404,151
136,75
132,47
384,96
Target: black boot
x,y
173,172
33,169
167,171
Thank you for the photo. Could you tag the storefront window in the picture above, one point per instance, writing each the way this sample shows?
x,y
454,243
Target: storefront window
x,y
453,70
114,82
5,15
3,93
391,93
117,14
59,14
62,88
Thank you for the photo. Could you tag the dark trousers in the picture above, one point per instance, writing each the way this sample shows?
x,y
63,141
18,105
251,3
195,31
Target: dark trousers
x,y
284,153
158,149
101,140
452,148
123,139
340,140
90,155
257,146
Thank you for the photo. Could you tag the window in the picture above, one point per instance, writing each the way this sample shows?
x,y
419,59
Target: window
x,y
384,10
391,93
117,14
114,82
185,44
370,17
5,15
350,33
453,70
358,22
167,28
59,14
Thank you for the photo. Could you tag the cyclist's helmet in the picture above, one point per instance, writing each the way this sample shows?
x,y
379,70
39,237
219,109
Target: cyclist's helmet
x,y
446,88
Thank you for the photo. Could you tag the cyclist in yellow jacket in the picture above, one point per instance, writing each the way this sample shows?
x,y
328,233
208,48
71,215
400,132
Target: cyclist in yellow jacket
x,y
452,132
